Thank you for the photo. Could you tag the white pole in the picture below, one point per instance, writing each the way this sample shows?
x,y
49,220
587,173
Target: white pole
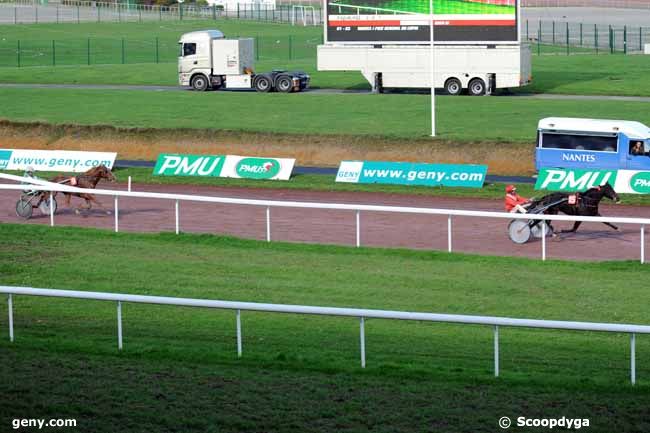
x,y
51,209
449,233
10,305
543,240
642,244
358,229
239,346
362,338
117,215
268,224
129,183
496,351
432,75
177,212
119,325
633,358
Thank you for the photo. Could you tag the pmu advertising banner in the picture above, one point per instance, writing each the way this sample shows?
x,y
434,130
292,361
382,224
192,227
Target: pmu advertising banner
x,y
54,160
409,173
243,167
623,181
409,21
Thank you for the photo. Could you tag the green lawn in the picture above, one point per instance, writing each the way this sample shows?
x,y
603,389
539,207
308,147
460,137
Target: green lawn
x,y
279,46
463,119
179,369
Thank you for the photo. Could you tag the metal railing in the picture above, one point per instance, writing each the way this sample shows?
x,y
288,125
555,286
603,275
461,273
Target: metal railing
x,y
42,185
361,314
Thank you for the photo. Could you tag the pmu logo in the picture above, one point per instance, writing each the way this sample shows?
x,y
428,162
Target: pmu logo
x,y
5,157
574,180
258,168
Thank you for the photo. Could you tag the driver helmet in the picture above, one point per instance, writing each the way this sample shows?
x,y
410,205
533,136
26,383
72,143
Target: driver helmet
x,y
510,188
29,169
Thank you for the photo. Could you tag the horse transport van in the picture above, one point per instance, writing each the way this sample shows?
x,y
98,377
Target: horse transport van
x,y
571,143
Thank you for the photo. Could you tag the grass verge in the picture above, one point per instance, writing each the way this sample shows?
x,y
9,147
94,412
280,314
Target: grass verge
x,y
301,373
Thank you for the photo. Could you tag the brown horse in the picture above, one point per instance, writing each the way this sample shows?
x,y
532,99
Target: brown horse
x,y
89,180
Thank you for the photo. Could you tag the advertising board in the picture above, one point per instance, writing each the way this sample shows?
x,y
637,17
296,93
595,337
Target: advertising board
x,y
623,181
235,166
408,21
408,173
54,160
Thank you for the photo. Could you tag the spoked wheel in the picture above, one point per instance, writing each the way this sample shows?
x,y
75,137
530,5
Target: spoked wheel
x,y
44,206
536,231
519,231
24,209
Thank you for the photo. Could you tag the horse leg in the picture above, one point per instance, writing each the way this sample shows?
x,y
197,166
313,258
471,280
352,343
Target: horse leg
x,y
609,224
574,229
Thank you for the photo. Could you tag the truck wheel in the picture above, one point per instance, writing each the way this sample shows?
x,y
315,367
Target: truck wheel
x,y
284,84
476,87
263,84
199,83
453,86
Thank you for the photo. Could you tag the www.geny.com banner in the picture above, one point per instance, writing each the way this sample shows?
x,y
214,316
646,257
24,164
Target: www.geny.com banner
x,y
408,173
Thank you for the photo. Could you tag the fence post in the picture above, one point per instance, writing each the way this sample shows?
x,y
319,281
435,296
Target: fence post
x,y
51,208
362,340
553,32
496,351
119,325
99,17
18,53
88,51
567,38
78,16
237,10
10,307
36,14
539,38
625,39
157,51
214,12
123,53
239,345
139,15
178,217
596,37
358,229
633,358
117,214
119,12
15,15
581,41
611,40
268,224
543,240
159,13
449,233
180,11
57,14
290,46
642,244
527,34
257,47
53,53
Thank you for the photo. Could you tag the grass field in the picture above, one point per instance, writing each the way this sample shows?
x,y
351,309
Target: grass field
x,y
179,371
462,119
553,72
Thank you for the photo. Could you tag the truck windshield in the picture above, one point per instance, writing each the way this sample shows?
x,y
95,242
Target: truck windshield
x,y
189,49
594,143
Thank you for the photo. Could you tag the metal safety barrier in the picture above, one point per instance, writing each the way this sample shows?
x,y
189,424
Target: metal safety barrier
x,y
361,314
43,185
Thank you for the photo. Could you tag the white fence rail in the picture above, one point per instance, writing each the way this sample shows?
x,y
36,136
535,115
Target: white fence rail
x,y
361,314
43,185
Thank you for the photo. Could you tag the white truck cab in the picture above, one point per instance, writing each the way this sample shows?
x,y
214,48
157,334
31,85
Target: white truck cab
x,y
208,60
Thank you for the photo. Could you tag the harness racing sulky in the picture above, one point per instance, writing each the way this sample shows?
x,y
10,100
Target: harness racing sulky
x,y
586,203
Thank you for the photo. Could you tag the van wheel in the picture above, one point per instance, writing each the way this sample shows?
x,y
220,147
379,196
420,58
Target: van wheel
x,y
476,87
453,86
199,83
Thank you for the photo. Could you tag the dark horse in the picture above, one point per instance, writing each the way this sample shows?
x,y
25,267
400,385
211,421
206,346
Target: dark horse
x,y
579,204
89,180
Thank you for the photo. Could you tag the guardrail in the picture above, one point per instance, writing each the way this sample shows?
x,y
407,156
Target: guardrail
x,y
43,185
362,314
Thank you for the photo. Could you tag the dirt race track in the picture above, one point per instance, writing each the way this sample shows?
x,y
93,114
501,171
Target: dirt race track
x,y
470,235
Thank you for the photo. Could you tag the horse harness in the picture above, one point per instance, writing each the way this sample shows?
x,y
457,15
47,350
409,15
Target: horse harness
x,y
577,199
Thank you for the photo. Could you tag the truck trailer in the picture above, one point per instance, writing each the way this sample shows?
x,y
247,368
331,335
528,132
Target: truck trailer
x,y
208,60
476,46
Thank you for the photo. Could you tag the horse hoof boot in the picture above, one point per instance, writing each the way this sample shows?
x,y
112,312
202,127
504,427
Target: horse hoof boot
x,y
77,211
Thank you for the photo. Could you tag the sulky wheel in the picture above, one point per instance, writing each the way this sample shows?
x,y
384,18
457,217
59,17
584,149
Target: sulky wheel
x,y
44,206
519,231
24,209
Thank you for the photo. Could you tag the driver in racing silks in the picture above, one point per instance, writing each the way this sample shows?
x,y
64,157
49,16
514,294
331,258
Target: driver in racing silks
x,y
514,202
29,173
